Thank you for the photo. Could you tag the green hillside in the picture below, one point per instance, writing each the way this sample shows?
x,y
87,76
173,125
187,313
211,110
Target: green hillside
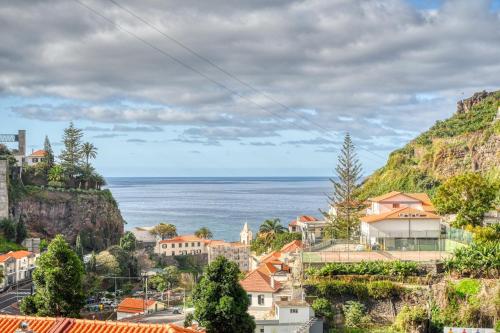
x,y
468,141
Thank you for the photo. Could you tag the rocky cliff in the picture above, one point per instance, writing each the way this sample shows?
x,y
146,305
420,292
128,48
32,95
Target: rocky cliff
x,y
92,214
468,141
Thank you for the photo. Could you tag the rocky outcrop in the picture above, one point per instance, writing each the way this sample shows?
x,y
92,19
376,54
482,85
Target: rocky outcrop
x,y
466,105
95,216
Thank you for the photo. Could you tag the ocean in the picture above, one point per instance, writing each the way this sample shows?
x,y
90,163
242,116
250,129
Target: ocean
x,y
221,204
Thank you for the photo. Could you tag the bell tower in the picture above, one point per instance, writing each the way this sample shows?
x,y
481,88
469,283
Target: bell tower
x,y
246,235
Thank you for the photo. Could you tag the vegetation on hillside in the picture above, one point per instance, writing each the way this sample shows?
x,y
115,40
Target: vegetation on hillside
x,y
417,167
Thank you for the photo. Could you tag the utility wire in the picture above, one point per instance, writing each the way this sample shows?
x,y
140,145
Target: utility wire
x,y
228,73
208,78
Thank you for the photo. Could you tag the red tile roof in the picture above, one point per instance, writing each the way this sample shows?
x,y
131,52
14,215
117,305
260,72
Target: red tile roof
x,y
292,246
134,305
185,238
271,256
9,324
259,282
5,257
20,254
39,153
399,213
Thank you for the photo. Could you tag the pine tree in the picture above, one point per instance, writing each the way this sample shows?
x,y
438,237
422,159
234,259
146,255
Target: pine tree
x,y
344,222
21,232
71,155
49,152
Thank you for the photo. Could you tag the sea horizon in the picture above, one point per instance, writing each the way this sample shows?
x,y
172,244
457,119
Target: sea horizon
x,y
223,204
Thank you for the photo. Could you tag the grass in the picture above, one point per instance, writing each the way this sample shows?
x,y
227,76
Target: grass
x,y
6,246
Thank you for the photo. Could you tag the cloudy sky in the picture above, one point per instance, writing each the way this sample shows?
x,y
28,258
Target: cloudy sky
x,y
240,87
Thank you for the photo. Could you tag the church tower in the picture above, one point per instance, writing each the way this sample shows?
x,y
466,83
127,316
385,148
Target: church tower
x,y
246,235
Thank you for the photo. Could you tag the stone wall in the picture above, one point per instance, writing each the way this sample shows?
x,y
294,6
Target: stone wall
x,y
4,195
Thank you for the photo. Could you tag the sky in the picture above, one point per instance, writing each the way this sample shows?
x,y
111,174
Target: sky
x,y
240,88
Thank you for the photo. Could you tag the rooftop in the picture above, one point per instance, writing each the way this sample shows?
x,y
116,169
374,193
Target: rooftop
x,y
260,282
400,213
9,324
185,238
134,305
38,153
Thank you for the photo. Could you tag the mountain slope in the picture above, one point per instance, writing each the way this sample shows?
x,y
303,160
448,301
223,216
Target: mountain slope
x,y
467,141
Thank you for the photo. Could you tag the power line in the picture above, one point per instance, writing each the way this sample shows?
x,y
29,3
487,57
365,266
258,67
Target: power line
x,y
228,73
208,78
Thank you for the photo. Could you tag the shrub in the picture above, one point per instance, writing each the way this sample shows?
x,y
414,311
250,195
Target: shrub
x,y
410,318
322,308
477,259
389,268
355,315
381,289
467,287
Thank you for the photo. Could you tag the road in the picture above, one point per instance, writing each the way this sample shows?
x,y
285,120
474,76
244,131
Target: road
x,y
10,297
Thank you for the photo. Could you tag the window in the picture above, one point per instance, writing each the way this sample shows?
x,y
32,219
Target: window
x,y
260,299
180,244
173,245
198,243
294,310
173,253
261,330
35,160
164,246
249,299
192,244
395,205
186,245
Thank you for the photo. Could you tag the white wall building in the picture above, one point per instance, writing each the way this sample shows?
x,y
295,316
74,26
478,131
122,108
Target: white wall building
x,y
394,218
182,245
290,316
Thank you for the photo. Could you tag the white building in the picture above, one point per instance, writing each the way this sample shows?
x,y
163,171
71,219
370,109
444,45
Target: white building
x,y
260,288
310,227
290,316
17,266
233,251
182,245
246,235
400,220
35,157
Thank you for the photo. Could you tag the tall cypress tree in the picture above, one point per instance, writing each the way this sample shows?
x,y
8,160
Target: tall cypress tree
x,y
71,155
79,246
49,152
344,217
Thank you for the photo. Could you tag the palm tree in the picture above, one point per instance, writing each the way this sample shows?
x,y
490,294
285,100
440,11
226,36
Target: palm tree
x,y
89,151
204,232
271,227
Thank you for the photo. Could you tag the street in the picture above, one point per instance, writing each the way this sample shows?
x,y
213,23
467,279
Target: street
x,y
10,297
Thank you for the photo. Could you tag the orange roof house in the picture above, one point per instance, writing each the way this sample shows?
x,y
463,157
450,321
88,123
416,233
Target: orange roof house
x,y
38,153
403,212
257,281
185,238
9,324
135,305
292,246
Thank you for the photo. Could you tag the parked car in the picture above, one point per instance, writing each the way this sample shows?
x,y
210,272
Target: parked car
x,y
106,301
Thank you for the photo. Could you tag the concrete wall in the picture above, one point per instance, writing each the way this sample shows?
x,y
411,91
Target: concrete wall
x,y
4,197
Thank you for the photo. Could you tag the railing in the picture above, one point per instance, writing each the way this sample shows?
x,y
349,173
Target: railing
x,y
459,235
305,328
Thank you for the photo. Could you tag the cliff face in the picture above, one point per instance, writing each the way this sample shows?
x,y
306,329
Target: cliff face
x,y
469,141
95,216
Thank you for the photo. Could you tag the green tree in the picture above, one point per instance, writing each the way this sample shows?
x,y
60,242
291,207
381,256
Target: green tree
x,y
58,283
92,263
89,151
204,232
79,246
71,155
164,230
220,302
21,232
344,222
355,315
56,176
468,195
107,264
167,279
128,242
49,157
8,229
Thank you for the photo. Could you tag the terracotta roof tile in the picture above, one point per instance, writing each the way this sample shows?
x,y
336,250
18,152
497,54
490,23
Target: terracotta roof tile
x,y
38,153
292,246
185,238
9,324
5,257
134,305
260,282
271,256
395,214
20,254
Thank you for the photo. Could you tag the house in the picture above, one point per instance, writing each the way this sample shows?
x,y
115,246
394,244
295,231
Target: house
x,y
17,266
310,227
261,289
35,157
144,238
182,245
14,324
402,221
8,266
233,251
290,316
130,307
275,268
